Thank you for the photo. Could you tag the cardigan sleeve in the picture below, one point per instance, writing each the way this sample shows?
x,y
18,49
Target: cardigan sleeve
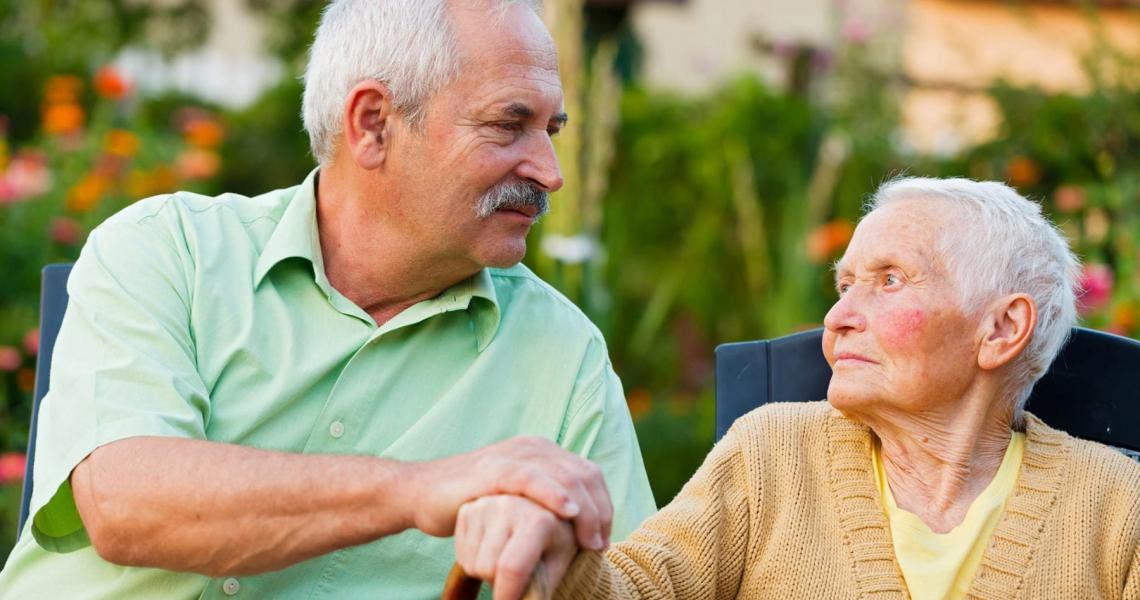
x,y
694,548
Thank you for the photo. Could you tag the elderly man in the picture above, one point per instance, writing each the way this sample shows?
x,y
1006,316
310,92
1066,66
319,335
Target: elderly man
x,y
265,396
921,476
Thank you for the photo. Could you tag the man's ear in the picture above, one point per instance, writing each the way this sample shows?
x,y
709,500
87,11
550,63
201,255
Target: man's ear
x,y
368,123
1006,329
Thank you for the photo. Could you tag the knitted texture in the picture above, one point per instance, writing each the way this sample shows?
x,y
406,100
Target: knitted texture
x,y
786,507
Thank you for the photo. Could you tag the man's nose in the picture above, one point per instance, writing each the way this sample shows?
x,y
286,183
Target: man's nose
x,y
846,313
541,164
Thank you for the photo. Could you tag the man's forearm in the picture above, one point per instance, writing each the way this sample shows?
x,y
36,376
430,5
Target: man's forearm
x,y
220,509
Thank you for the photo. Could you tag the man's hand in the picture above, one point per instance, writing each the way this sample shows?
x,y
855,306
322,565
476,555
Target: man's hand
x,y
503,539
565,484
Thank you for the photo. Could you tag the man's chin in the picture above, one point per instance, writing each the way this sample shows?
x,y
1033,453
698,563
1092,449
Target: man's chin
x,y
504,255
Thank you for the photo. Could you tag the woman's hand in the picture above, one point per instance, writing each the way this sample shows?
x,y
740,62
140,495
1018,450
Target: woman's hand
x,y
504,539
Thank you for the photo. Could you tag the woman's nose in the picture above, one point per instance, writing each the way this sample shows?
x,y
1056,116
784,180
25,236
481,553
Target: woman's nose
x,y
846,314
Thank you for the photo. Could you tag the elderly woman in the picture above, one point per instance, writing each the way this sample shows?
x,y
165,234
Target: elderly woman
x,y
920,476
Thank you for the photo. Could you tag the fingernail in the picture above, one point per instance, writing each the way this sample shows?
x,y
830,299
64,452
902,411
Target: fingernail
x,y
572,509
599,544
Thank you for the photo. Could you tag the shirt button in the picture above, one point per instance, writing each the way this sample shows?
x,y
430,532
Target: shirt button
x,y
231,586
336,429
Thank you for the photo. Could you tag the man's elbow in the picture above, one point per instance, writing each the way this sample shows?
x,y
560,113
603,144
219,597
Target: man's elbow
x,y
105,518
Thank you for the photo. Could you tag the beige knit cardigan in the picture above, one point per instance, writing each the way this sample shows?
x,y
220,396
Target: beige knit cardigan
x,y
786,507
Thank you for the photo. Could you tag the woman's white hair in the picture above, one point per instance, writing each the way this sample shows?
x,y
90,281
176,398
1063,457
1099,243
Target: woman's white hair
x,y
1000,243
407,44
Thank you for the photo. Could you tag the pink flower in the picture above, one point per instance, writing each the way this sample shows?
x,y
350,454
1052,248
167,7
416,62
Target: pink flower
x,y
1069,198
12,466
855,31
65,230
10,359
27,176
1095,288
32,342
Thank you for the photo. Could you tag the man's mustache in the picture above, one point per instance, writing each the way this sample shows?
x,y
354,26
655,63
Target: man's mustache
x,y
513,195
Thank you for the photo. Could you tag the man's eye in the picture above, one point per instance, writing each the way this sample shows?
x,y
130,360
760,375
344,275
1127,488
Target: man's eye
x,y
891,280
842,288
509,126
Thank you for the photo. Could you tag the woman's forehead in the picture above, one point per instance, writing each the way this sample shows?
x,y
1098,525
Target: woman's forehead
x,y
900,232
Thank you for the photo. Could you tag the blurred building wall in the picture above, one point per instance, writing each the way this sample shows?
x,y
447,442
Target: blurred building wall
x,y
949,49
953,48
230,68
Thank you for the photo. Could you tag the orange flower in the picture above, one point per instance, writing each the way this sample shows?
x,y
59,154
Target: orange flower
x,y
828,240
1022,171
26,379
110,84
62,118
203,133
62,89
120,142
198,164
639,401
86,194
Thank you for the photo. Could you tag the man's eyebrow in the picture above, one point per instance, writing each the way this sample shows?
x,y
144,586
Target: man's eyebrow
x,y
522,111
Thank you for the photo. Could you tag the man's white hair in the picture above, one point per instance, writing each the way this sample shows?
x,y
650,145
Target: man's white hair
x,y
407,44
1000,243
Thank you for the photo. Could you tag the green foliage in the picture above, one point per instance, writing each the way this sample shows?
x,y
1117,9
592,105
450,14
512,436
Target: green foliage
x,y
719,219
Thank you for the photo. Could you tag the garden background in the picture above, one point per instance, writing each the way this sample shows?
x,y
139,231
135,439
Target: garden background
x,y
694,214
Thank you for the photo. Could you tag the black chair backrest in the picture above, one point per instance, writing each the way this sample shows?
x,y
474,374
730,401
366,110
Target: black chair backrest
x,y
53,303
1091,391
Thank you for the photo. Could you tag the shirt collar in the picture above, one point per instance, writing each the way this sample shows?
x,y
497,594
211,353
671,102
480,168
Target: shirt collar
x,y
296,236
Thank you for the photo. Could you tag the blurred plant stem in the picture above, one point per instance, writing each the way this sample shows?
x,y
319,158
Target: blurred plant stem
x,y
570,253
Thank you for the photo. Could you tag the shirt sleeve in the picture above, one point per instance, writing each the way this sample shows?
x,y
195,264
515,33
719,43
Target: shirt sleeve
x,y
124,362
599,427
693,549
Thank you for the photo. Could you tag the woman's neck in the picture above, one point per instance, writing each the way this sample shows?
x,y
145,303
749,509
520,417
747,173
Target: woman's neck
x,y
938,464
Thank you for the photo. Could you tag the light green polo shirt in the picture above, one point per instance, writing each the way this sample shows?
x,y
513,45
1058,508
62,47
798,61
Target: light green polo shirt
x,y
212,318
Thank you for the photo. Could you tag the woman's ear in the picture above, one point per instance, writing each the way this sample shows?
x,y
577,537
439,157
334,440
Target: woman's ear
x,y
368,120
1007,328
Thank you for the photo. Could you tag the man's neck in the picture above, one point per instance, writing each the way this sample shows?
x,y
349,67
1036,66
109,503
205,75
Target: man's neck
x,y
370,260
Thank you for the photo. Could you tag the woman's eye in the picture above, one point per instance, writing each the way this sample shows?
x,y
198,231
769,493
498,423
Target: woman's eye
x,y
843,287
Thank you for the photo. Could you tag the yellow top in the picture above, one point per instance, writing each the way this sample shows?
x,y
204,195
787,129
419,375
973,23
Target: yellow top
x,y
941,566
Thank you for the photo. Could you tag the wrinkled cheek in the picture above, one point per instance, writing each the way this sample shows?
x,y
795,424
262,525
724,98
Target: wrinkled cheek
x,y
902,329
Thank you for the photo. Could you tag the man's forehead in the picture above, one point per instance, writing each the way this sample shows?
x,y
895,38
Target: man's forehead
x,y
513,34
